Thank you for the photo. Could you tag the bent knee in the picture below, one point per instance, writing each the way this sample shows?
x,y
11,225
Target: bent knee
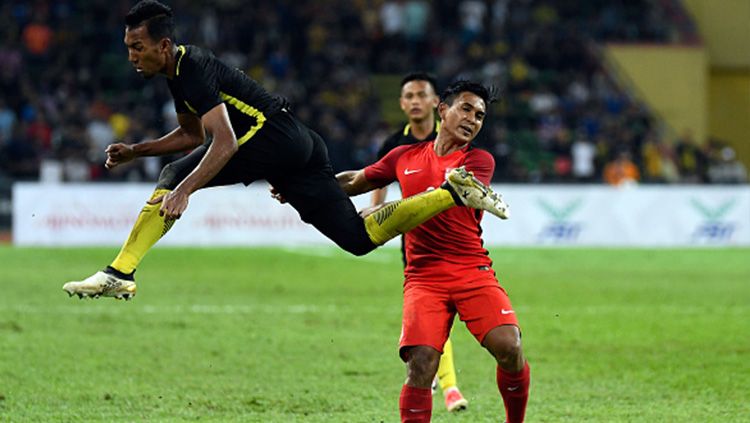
x,y
504,343
508,352
359,248
168,177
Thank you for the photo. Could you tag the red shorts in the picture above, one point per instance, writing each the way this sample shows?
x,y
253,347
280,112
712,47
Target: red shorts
x,y
429,309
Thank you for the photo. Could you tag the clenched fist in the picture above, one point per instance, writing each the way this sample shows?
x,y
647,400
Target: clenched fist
x,y
118,154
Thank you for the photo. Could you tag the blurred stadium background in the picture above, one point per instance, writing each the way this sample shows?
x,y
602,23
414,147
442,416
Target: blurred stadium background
x,y
668,81
664,84
586,86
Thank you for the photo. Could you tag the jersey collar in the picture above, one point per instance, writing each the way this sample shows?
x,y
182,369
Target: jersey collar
x,y
407,128
180,54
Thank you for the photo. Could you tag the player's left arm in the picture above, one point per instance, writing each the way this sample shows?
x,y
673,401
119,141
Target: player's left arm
x,y
216,121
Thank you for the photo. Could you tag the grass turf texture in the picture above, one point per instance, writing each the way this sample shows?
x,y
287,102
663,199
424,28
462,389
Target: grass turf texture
x,y
272,335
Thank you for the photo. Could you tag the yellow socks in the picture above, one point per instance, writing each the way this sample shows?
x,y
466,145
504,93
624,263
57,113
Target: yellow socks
x,y
401,216
148,228
446,372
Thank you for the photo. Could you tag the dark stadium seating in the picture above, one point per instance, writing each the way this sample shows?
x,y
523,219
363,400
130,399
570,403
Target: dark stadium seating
x,y
68,91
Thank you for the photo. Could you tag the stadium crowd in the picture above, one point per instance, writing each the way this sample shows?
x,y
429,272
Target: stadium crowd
x,y
67,91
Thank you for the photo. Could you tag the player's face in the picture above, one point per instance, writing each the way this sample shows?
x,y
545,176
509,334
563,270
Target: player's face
x,y
464,118
147,55
418,100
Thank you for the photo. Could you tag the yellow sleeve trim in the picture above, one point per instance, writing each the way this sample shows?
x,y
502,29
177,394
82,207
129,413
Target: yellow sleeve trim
x,y
407,128
191,108
182,51
249,110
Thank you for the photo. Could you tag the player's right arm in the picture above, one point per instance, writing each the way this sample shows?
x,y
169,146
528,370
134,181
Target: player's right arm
x,y
354,182
189,135
379,194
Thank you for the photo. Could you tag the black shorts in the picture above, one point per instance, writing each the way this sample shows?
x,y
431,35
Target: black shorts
x,y
294,159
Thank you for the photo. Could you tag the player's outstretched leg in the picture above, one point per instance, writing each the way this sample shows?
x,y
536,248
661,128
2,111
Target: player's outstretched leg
x,y
117,279
401,216
460,188
471,192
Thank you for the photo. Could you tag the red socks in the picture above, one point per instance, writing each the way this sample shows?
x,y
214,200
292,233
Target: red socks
x,y
514,387
415,404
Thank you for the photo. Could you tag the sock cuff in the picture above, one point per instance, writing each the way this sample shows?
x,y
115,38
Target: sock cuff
x,y
417,395
415,404
112,271
456,199
158,192
514,377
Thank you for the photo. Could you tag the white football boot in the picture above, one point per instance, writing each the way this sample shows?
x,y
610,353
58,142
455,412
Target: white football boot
x,y
102,284
473,193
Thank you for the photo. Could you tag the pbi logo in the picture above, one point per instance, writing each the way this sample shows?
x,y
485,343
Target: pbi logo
x,y
561,228
714,228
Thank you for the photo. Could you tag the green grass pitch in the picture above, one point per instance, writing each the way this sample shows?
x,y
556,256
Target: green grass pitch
x,y
310,335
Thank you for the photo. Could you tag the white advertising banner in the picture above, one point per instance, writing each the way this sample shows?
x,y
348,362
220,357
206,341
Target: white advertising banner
x,y
636,216
581,215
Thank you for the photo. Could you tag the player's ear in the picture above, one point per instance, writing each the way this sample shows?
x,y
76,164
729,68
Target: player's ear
x,y
442,109
165,45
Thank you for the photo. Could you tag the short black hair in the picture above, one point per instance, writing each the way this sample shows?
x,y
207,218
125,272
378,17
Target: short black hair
x,y
420,76
157,17
488,94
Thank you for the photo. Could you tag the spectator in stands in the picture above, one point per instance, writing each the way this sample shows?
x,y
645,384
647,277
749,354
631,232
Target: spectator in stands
x,y
725,168
583,153
691,159
20,156
37,37
621,171
7,121
658,161
546,71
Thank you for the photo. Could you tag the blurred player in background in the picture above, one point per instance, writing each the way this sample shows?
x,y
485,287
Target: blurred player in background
x,y
447,269
254,137
418,101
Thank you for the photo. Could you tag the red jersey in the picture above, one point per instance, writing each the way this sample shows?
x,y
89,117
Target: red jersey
x,y
448,247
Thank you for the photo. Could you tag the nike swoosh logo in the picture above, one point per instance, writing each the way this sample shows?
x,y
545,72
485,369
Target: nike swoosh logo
x,y
504,311
409,172
513,388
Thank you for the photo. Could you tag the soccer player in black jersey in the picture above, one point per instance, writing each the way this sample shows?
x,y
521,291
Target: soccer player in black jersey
x,y
418,100
254,137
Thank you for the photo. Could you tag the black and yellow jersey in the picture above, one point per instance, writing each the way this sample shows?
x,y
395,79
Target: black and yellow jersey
x,y
404,137
201,82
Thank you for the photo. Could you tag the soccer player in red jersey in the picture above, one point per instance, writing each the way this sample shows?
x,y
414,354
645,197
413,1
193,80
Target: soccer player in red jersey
x,y
448,271
418,101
